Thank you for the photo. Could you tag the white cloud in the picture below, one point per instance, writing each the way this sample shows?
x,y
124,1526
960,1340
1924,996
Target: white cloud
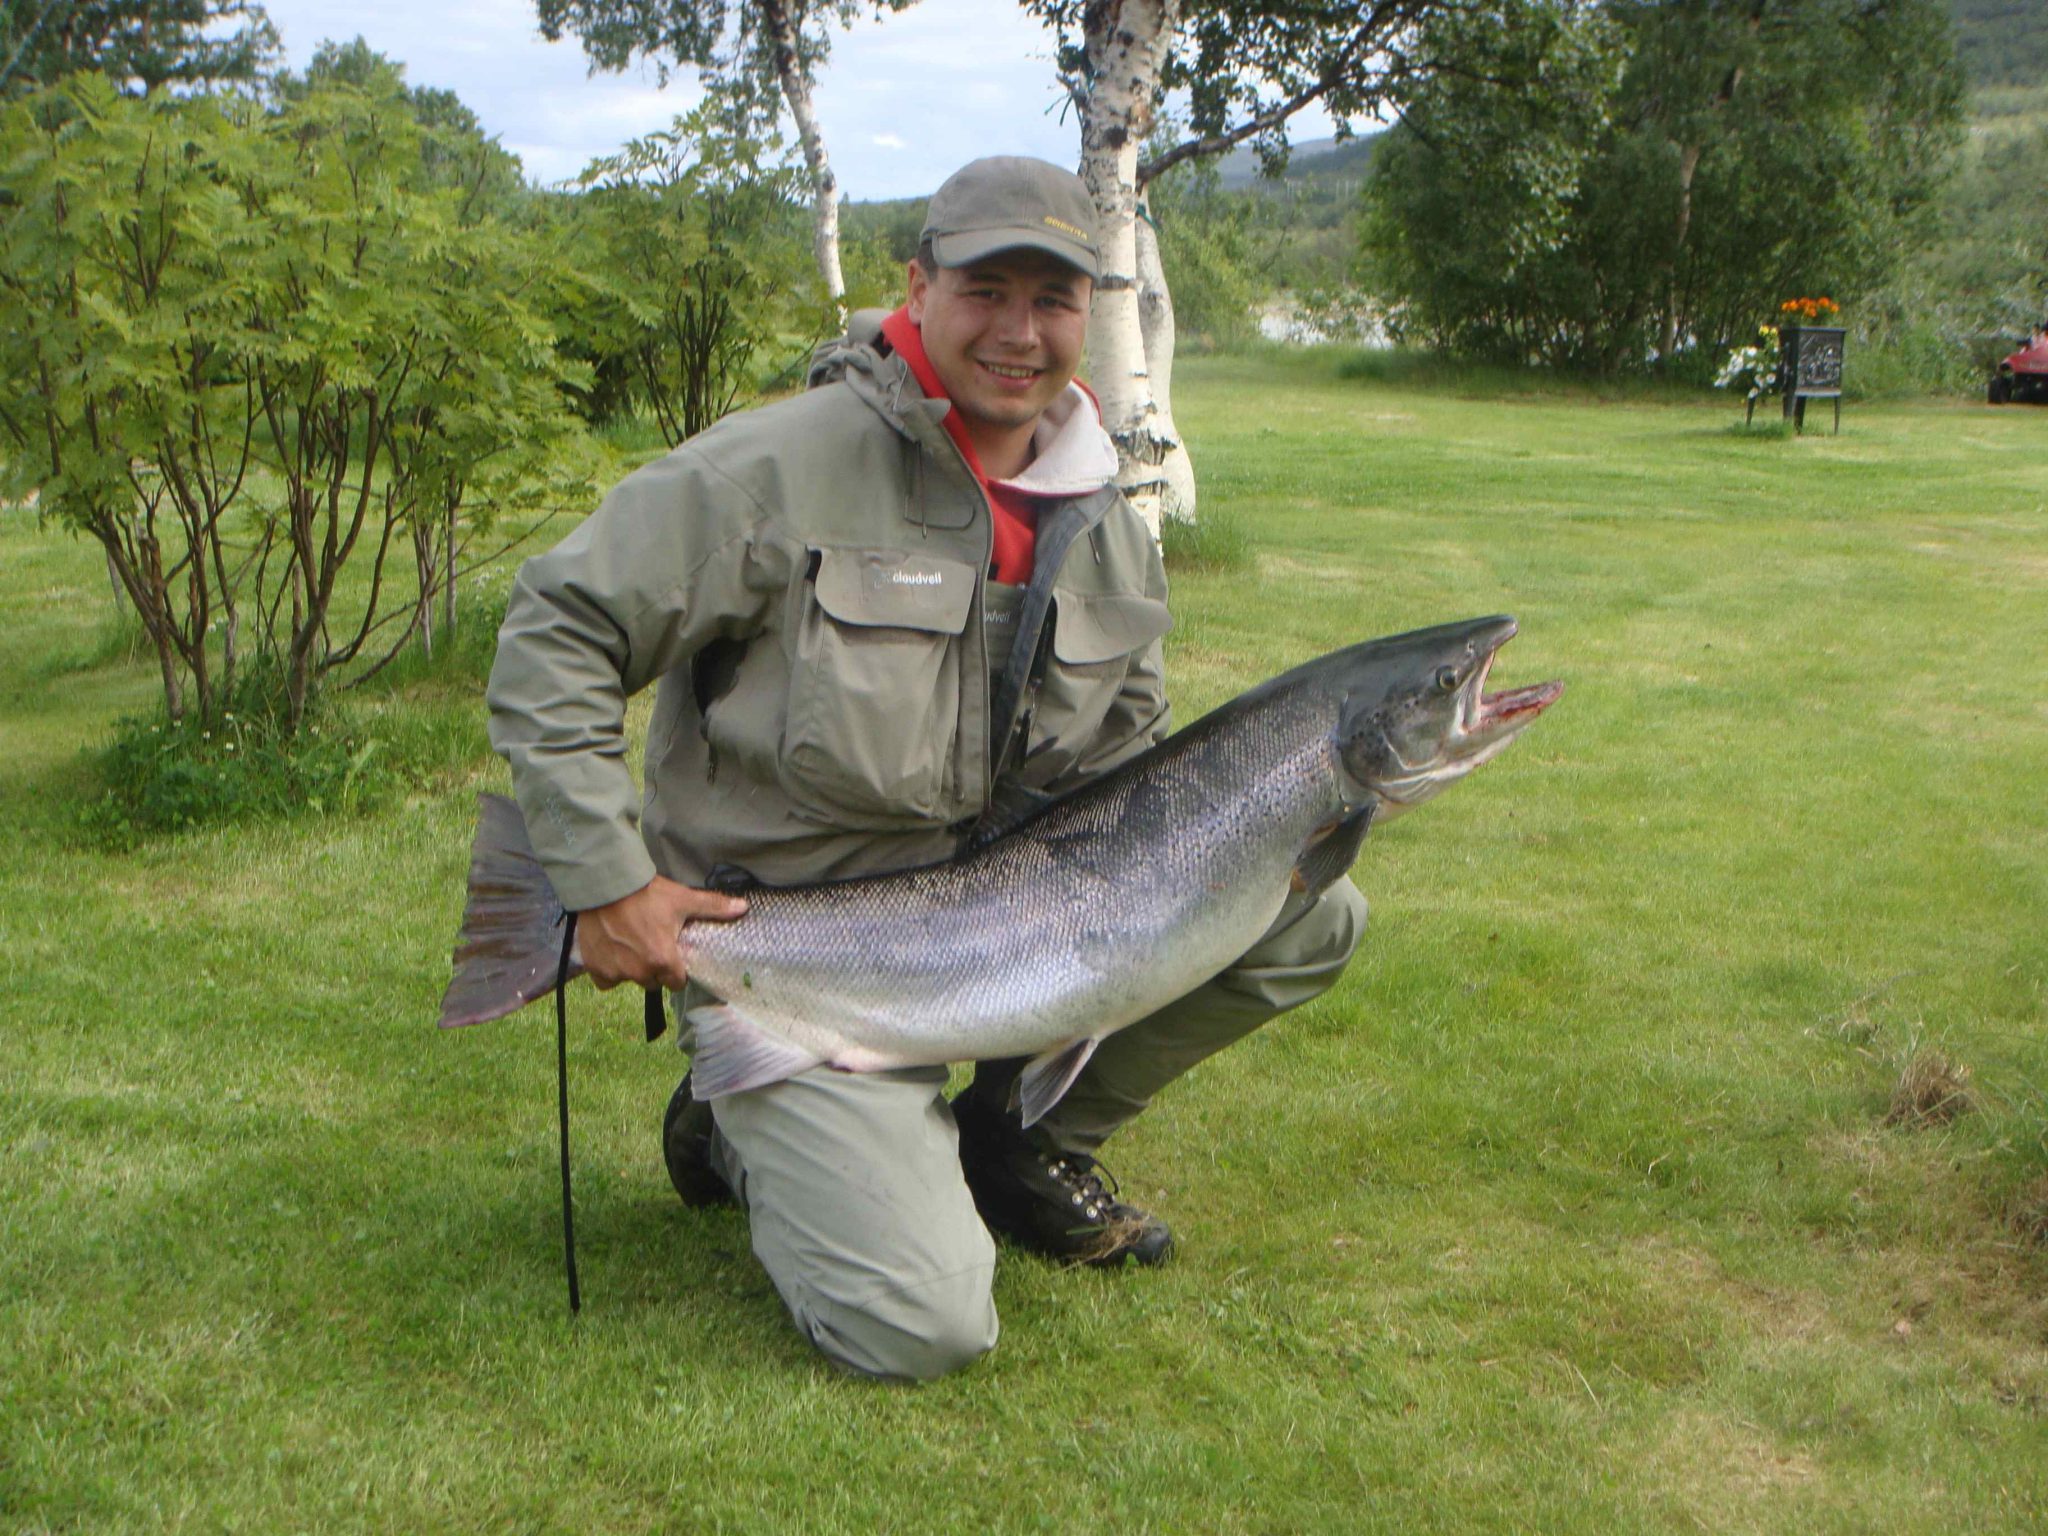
x,y
888,141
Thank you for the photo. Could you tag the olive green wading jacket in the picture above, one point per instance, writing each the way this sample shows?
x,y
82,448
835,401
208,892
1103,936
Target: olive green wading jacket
x,y
807,583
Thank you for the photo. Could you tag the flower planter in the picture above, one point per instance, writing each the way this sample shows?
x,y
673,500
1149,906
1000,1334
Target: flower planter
x,y
1810,368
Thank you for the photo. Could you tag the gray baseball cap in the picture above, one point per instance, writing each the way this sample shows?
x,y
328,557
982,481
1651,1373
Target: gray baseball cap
x,y
1010,201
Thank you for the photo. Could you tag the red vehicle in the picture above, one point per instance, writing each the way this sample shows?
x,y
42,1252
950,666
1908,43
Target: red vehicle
x,y
2023,375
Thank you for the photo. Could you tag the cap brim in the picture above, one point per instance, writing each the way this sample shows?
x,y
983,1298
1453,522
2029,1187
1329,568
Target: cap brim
x,y
958,250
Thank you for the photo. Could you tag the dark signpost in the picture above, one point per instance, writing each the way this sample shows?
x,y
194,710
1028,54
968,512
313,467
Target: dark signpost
x,y
1810,366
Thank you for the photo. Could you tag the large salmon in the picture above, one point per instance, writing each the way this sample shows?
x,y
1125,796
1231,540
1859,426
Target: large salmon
x,y
1043,938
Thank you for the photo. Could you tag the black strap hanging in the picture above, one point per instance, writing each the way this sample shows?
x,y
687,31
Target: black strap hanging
x,y
562,1103
657,1024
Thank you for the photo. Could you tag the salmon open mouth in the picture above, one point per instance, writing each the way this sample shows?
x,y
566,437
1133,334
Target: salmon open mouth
x,y
1518,706
1488,715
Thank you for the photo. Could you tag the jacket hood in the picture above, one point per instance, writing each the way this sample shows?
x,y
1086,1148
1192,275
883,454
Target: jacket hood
x,y
1071,453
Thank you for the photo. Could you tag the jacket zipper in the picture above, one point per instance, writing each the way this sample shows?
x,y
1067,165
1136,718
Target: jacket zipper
x,y
977,624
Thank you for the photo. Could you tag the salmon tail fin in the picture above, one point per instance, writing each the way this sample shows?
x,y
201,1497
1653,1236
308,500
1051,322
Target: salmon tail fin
x,y
510,947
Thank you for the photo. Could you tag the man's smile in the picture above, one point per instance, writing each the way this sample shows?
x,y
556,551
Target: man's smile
x,y
1011,370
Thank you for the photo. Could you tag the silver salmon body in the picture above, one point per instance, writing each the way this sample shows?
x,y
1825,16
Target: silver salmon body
x,y
1044,938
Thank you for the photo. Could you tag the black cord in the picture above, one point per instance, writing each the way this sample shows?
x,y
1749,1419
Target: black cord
x,y
562,1103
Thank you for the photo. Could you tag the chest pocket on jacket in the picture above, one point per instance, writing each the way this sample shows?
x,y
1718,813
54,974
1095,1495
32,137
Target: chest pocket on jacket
x,y
1095,638
872,737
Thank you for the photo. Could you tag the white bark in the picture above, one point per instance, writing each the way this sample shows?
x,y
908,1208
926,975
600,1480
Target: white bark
x,y
1155,322
796,90
1126,42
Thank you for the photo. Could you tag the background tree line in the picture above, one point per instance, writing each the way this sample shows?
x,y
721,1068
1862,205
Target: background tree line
x,y
286,346
1691,165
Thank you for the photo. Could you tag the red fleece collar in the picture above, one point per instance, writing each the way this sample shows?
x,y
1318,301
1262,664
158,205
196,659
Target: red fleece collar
x,y
907,342
1015,527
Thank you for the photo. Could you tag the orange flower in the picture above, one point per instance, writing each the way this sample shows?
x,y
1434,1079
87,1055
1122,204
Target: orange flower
x,y
1810,310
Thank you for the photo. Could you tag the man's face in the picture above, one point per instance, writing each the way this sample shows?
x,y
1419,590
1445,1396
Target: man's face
x,y
1004,335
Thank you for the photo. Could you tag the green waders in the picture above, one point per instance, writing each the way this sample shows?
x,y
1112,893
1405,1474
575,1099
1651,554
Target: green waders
x,y
852,1182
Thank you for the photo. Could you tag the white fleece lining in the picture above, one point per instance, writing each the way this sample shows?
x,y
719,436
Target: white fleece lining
x,y
1070,453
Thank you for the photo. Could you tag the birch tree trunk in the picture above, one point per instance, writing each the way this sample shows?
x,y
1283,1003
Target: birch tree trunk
x,y
1155,322
796,90
1126,43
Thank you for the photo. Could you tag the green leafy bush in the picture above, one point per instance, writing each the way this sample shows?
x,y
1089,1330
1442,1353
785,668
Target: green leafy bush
x,y
252,352
160,775
698,288
415,720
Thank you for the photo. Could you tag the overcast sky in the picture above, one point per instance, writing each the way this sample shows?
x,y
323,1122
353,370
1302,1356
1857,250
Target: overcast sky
x,y
903,103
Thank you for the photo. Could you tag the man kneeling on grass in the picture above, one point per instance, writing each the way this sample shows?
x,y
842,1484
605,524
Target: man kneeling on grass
x,y
814,722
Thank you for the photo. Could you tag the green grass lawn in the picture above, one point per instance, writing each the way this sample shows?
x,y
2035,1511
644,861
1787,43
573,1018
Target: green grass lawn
x,y
1574,1208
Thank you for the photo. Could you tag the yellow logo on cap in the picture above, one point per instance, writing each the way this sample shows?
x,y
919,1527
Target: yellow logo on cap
x,y
1065,228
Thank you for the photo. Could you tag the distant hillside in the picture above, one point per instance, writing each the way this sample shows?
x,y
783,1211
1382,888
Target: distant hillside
x,y
1312,160
2002,42
1315,196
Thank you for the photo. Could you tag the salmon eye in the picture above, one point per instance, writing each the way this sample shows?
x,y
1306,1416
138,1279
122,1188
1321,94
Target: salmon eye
x,y
1446,679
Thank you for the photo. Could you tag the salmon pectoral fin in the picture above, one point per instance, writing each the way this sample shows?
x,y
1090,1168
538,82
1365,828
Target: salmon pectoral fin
x,y
1330,853
1324,860
1046,1079
733,1054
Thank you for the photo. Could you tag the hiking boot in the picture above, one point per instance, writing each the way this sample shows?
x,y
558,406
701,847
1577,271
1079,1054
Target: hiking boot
x,y
1062,1204
686,1132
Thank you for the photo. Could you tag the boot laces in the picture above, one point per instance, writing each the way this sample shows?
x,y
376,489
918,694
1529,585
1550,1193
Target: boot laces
x,y
1091,1188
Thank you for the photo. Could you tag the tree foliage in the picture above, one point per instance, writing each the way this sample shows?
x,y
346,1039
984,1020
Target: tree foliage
x,y
1216,251
139,45
695,268
728,38
254,351
1244,70
1747,150
1247,68
452,148
770,50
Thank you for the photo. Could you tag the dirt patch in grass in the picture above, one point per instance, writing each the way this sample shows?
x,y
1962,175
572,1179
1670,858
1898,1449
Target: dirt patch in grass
x,y
1707,1458
1933,1237
1323,572
1772,1312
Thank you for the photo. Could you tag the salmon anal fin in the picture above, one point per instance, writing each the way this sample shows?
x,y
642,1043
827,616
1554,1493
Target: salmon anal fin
x,y
733,1054
1046,1079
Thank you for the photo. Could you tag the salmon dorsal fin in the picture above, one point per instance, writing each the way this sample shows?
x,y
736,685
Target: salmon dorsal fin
x,y
733,1054
1046,1079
